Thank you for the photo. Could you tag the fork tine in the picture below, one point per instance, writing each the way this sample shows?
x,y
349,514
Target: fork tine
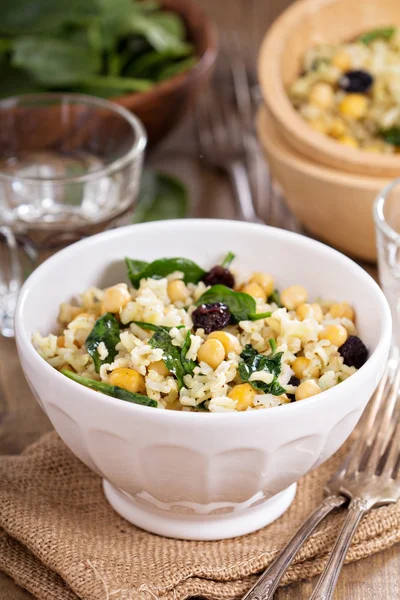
x,y
239,75
364,440
382,428
203,125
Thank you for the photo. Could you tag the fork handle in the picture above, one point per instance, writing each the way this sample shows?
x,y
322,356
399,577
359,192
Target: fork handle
x,y
325,587
265,587
244,198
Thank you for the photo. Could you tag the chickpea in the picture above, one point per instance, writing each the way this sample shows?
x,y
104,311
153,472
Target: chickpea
x,y
342,310
337,128
255,290
336,334
159,367
61,341
307,389
244,394
301,367
354,106
115,298
211,352
229,342
265,281
348,140
177,291
342,60
129,379
319,125
293,296
321,95
304,311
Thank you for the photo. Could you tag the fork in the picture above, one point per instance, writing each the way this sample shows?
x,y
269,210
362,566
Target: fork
x,y
223,126
371,466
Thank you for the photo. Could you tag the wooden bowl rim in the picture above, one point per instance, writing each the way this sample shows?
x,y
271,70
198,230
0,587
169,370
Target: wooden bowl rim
x,y
277,100
202,66
278,146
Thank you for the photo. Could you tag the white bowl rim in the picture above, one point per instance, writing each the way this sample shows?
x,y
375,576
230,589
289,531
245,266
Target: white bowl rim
x,y
24,337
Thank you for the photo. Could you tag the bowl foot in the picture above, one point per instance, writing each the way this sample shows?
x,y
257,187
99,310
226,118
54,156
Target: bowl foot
x,y
199,527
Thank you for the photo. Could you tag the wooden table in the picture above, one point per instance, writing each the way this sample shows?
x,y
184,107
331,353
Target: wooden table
x,y
22,421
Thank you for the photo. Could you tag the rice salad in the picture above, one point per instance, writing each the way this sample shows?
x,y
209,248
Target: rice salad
x,y
351,91
182,338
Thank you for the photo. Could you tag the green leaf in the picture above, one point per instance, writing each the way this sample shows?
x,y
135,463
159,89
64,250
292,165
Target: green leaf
x,y
161,197
55,62
152,327
107,85
111,390
107,330
229,258
171,22
176,68
384,33
392,136
158,33
14,81
253,361
188,365
20,17
275,298
161,268
172,355
148,65
242,306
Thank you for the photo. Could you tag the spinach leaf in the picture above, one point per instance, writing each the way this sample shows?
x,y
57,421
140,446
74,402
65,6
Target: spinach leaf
x,y
173,356
55,62
151,327
384,33
107,330
175,68
275,298
161,268
392,136
188,365
161,197
111,390
43,16
242,306
253,361
157,31
229,258
109,85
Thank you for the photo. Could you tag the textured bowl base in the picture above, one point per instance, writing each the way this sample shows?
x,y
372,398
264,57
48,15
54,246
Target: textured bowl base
x,y
207,527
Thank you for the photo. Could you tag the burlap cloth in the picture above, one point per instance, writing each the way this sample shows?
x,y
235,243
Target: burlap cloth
x,y
62,541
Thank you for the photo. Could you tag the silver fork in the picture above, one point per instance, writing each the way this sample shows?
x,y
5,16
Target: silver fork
x,y
224,131
368,477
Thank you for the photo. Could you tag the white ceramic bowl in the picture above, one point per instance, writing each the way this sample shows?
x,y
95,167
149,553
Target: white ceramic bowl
x,y
194,475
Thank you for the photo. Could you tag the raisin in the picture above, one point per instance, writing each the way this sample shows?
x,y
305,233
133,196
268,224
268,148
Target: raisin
x,y
354,352
211,317
296,382
356,81
219,276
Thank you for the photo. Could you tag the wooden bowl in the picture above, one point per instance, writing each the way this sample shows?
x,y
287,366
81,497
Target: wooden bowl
x,y
307,23
334,206
161,108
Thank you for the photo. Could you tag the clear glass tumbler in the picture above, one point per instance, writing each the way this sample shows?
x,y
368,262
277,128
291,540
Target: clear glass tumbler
x,y
387,221
70,166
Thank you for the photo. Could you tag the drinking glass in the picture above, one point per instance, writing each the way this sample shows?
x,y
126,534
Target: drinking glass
x,y
70,166
387,221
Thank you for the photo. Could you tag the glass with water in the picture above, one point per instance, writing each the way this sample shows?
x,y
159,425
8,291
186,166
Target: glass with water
x,y
387,221
70,166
